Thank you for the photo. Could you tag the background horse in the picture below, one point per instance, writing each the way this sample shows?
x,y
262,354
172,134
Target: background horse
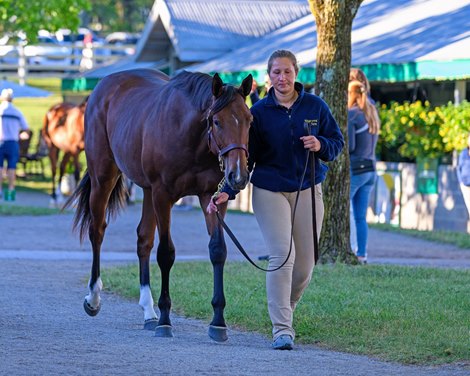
x,y
63,130
165,135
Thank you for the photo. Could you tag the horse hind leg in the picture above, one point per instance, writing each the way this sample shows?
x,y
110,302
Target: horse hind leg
x,y
92,303
62,167
102,188
145,239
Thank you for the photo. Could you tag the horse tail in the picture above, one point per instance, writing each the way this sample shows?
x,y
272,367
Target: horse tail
x,y
81,198
117,200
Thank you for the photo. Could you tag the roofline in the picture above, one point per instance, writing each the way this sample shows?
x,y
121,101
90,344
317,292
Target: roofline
x,y
387,72
159,11
382,73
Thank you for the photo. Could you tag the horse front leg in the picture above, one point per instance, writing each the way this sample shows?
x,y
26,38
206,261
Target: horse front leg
x,y
165,259
145,239
218,256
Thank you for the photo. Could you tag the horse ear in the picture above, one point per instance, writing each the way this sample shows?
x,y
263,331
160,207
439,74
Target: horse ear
x,y
245,87
217,86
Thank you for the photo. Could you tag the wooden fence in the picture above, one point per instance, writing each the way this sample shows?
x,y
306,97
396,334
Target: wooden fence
x,y
17,65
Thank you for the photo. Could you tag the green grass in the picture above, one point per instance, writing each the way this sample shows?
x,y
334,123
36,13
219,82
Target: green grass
x,y
408,315
33,183
50,84
459,239
13,210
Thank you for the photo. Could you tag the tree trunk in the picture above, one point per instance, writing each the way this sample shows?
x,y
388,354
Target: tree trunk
x,y
334,24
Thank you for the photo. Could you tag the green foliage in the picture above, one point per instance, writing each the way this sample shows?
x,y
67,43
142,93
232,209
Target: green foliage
x,y
456,125
418,130
29,16
410,315
112,15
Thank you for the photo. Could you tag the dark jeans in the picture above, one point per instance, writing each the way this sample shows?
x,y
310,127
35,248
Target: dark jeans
x,y
9,150
361,186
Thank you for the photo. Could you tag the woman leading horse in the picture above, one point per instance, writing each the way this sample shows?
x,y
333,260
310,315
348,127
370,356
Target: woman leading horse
x,y
170,137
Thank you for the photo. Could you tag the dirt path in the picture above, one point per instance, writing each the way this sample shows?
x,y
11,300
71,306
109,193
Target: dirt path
x,y
31,236
44,330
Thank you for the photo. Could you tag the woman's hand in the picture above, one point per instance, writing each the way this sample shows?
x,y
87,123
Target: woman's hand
x,y
311,143
219,199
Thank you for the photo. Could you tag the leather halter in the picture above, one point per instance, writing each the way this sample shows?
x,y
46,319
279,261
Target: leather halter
x,y
221,151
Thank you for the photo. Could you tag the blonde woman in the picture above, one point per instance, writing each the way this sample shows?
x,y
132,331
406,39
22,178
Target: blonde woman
x,y
355,74
363,129
278,145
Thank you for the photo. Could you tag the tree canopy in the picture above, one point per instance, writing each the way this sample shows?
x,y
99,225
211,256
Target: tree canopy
x,y
30,16
118,15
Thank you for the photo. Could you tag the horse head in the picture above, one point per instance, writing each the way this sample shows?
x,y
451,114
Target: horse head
x,y
229,122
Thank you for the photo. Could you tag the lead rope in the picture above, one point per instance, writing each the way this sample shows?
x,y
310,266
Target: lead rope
x,y
240,247
314,208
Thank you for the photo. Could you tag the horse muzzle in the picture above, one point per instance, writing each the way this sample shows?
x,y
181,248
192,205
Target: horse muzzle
x,y
233,161
237,179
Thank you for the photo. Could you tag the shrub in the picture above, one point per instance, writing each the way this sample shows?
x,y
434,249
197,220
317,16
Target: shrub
x,y
417,130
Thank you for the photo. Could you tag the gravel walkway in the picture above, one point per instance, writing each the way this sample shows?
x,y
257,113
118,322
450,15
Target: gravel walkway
x,y
44,330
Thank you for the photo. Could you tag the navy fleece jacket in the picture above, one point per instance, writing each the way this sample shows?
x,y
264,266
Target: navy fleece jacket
x,y
277,155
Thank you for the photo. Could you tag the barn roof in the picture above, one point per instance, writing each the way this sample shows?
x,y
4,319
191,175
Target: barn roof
x,y
402,40
200,30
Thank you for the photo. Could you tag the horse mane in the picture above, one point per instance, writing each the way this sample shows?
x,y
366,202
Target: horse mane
x,y
198,88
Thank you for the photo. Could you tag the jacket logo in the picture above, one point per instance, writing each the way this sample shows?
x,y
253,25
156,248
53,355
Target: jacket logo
x,y
311,122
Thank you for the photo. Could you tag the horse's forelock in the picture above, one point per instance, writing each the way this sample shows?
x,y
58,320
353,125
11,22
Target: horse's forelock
x,y
228,95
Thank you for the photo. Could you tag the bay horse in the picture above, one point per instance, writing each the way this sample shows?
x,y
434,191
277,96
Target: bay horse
x,y
172,137
63,130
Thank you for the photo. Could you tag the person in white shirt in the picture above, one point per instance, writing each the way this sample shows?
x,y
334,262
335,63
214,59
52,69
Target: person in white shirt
x,y
12,122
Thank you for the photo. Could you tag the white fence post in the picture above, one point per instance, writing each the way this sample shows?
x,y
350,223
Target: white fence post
x,y
21,64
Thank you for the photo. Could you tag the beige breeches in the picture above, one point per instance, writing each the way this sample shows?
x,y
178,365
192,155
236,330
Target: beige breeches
x,y
284,287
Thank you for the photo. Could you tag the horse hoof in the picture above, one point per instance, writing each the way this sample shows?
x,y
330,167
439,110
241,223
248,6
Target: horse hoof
x,y
90,310
218,333
164,331
150,324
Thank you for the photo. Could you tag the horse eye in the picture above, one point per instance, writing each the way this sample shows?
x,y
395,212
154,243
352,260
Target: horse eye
x,y
216,123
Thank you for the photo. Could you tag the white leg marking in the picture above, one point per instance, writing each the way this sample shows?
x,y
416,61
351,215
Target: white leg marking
x,y
146,302
93,298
